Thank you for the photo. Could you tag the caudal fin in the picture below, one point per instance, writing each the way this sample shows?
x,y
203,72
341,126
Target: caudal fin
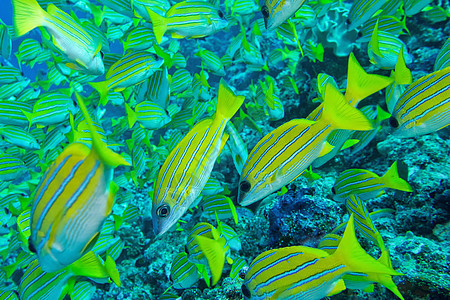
x,y
228,103
214,253
89,265
402,74
340,114
132,117
355,257
102,88
386,280
392,180
360,85
158,23
27,16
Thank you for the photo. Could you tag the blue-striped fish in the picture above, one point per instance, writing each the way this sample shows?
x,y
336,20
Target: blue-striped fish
x,y
72,201
183,273
212,187
360,85
180,81
140,38
237,147
132,68
283,154
190,18
363,220
158,6
230,235
68,36
391,7
385,23
436,14
158,89
305,16
219,206
384,49
412,7
179,60
188,166
11,167
367,184
5,42
424,107
82,290
51,109
275,12
36,284
122,7
238,267
29,49
9,90
307,273
443,58
361,11
9,74
19,137
148,114
211,61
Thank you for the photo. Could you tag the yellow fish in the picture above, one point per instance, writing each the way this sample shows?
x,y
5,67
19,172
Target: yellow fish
x,y
72,201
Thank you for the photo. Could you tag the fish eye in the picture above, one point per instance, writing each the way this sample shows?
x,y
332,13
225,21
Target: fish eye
x,y
359,34
333,190
245,291
163,210
393,122
245,186
348,21
220,13
31,246
265,11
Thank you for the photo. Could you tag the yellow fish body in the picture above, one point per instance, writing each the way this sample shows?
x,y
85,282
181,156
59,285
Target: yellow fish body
x,y
188,166
72,201
283,154
78,46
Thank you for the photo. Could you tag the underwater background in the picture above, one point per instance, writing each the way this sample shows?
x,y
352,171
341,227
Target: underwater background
x,y
283,74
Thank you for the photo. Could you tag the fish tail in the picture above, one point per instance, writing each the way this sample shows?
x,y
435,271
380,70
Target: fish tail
x,y
159,25
111,268
340,114
355,257
374,43
213,251
386,280
89,265
131,115
228,103
97,12
360,85
402,74
102,88
27,16
105,154
29,117
392,180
